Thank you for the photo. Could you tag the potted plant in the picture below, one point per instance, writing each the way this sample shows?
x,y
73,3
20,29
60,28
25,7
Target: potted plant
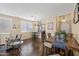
x,y
61,33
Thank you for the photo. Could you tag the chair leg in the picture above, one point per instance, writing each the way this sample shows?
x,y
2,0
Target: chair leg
x,y
46,51
65,53
51,50
43,51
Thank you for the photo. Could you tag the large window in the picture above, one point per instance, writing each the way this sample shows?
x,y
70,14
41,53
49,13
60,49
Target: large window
x,y
26,26
5,25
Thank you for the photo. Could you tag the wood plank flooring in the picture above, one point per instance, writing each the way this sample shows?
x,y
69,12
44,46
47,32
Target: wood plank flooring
x,y
28,48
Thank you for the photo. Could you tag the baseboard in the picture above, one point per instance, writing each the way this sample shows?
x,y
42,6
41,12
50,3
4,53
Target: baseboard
x,y
26,39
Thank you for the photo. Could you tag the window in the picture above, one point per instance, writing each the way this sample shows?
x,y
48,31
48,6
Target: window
x,y
5,25
26,26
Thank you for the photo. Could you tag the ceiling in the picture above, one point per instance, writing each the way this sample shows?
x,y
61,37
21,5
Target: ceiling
x,y
36,11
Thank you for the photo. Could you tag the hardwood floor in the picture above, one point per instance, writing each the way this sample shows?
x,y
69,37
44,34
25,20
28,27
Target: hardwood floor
x,y
28,48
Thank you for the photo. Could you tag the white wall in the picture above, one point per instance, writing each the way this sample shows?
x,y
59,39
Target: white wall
x,y
54,26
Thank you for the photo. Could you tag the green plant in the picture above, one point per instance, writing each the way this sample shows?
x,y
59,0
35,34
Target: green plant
x,y
61,32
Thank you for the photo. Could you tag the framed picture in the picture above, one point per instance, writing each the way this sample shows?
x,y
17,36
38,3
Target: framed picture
x,y
14,26
43,27
76,14
50,26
